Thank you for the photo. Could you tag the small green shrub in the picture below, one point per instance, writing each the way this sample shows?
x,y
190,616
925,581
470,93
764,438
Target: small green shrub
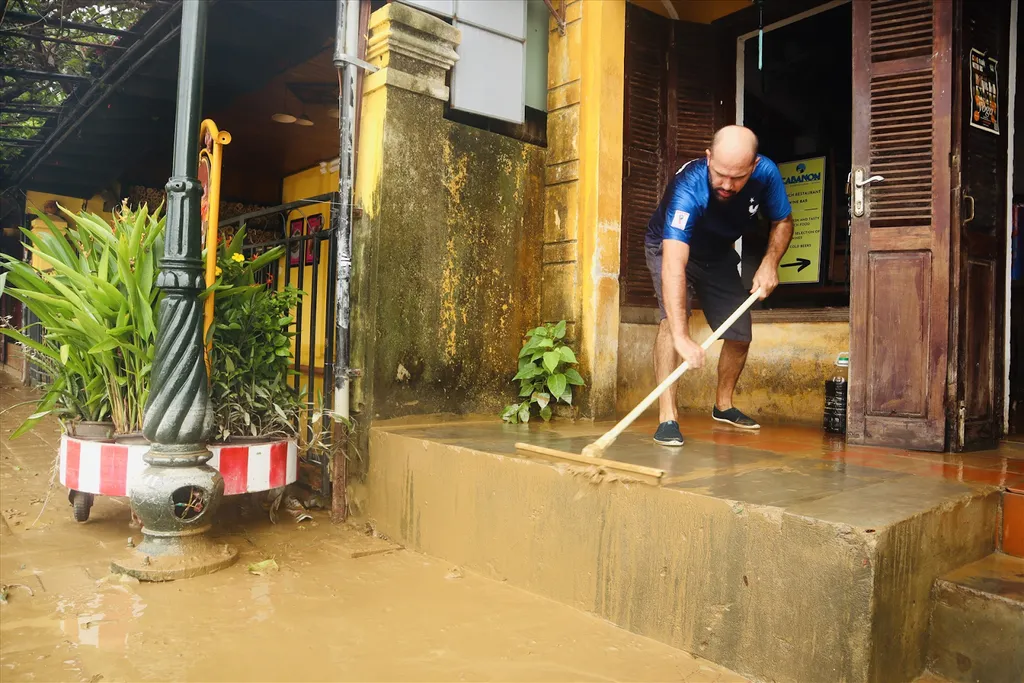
x,y
545,374
251,358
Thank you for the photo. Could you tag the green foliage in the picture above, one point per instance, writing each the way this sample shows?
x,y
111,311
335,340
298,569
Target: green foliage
x,y
545,374
96,304
251,360
31,51
317,440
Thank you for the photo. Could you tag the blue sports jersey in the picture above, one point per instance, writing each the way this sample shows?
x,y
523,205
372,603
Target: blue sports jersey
x,y
689,213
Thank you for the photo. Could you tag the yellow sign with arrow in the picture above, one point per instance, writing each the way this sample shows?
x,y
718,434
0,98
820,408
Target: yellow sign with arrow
x,y
805,186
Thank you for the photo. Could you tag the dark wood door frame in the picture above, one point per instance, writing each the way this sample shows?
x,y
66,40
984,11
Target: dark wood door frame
x,y
977,359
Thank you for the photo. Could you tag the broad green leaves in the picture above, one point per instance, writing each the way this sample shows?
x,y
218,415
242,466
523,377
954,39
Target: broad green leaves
x,y
95,302
557,384
551,360
573,377
544,374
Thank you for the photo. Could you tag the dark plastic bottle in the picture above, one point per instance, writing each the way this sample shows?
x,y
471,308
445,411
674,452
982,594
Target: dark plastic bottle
x,y
835,396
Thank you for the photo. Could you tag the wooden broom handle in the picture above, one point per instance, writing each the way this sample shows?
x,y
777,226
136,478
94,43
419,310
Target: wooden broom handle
x,y
613,433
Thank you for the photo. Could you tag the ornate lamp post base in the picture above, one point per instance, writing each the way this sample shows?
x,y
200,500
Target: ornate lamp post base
x,y
197,555
176,498
176,503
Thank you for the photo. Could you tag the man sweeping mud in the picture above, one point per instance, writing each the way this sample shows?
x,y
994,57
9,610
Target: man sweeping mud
x,y
707,206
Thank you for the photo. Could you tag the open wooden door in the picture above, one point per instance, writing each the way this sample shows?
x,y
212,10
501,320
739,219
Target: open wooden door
x,y
979,236
900,239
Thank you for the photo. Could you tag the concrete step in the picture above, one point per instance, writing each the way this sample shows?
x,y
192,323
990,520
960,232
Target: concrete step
x,y
1012,540
780,568
929,677
977,629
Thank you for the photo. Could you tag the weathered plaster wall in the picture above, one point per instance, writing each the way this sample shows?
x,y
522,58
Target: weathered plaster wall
x,y
447,254
784,377
455,262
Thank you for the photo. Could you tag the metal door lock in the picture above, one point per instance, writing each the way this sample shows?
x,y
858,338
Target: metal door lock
x,y
859,182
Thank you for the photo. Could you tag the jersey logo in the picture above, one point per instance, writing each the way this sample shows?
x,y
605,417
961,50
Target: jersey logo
x,y
679,220
753,206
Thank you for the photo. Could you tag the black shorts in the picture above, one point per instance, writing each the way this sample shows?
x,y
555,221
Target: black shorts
x,y
716,283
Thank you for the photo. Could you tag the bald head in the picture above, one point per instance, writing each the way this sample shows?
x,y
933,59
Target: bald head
x,y
734,144
731,160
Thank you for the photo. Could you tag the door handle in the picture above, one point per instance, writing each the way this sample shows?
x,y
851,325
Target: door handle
x,y
859,183
872,179
971,217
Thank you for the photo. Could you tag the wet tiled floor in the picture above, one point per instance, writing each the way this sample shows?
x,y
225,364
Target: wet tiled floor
x,y
782,465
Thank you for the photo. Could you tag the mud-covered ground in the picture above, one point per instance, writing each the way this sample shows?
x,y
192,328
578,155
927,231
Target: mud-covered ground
x,y
341,604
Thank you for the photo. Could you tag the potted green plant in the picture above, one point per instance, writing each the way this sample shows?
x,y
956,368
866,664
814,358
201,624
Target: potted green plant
x,y
546,376
251,356
96,303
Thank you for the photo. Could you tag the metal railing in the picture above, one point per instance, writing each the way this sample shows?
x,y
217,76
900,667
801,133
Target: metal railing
x,y
33,329
309,252
7,311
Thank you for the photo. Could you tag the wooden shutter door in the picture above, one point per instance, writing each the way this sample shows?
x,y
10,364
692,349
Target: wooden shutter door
x,y
694,112
900,295
644,129
670,116
979,239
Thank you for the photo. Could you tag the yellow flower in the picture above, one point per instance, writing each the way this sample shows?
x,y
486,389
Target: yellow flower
x,y
237,258
217,272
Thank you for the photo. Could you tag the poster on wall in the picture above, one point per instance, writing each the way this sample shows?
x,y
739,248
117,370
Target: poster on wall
x,y
313,225
295,248
984,92
805,186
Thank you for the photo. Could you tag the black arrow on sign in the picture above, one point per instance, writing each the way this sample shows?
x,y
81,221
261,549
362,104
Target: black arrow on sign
x,y
800,264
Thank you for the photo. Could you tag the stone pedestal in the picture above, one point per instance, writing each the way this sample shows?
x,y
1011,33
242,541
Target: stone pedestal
x,y
413,50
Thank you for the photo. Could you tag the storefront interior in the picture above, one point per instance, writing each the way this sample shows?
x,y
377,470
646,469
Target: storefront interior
x,y
788,74
799,102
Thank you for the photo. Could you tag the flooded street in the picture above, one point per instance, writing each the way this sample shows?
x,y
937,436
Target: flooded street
x,y
341,604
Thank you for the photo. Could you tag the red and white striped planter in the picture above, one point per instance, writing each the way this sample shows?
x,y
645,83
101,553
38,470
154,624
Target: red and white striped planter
x,y
110,469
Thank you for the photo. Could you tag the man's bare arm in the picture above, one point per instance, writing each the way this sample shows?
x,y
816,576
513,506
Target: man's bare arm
x,y
767,275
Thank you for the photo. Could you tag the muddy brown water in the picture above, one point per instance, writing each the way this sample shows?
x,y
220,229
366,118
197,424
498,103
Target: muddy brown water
x,y
341,605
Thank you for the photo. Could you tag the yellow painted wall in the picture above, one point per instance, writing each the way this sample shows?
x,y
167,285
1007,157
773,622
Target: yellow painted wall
x,y
784,377
39,200
583,179
446,254
310,183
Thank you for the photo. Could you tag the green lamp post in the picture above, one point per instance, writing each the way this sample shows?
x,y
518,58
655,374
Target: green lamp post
x,y
177,494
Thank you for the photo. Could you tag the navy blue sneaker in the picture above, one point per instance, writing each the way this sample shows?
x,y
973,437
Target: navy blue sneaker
x,y
733,417
668,434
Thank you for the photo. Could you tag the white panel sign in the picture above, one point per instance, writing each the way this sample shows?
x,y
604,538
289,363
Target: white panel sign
x,y
507,17
490,77
445,8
